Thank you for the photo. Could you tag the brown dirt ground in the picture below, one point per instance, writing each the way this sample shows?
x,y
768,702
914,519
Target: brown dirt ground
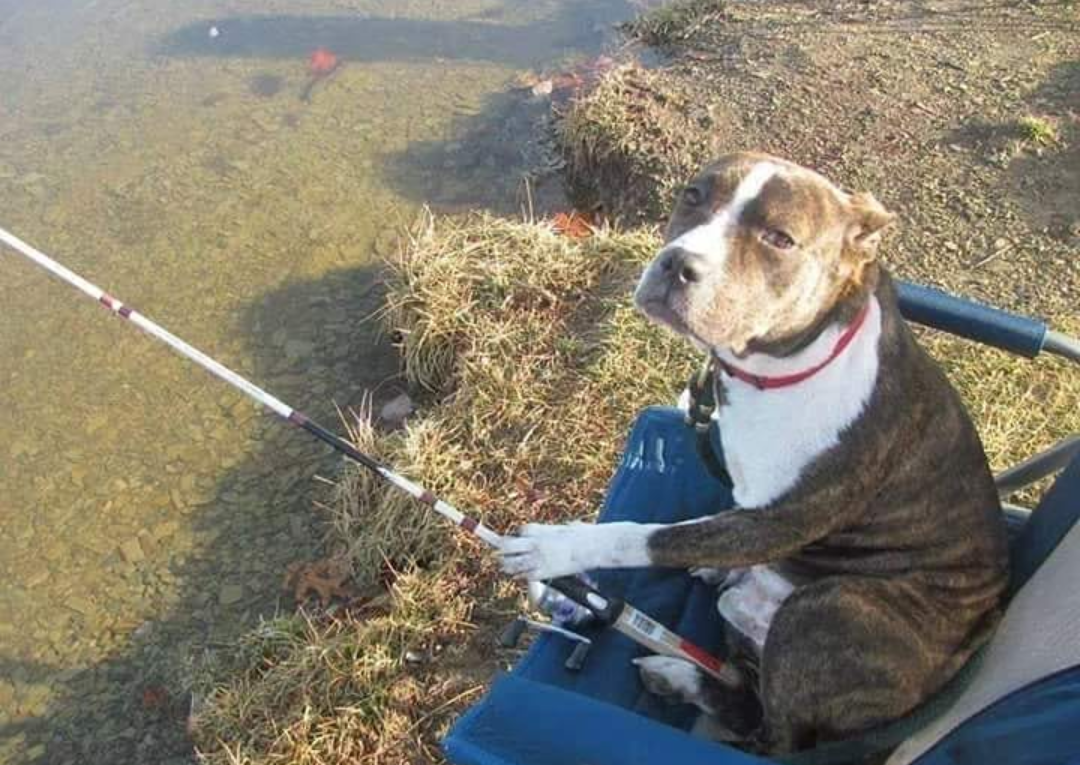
x,y
917,102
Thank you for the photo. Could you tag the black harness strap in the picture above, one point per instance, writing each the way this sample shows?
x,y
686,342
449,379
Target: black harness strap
x,y
702,404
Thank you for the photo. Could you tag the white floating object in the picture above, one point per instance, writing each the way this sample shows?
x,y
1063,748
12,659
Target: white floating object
x,y
214,32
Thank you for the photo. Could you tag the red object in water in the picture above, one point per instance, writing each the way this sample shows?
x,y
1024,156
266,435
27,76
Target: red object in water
x,y
322,62
154,697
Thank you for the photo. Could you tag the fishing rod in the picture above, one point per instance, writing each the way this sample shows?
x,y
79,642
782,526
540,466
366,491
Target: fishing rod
x,y
610,612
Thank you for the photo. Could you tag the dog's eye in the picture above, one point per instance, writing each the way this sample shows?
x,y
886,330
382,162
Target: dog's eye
x,y
781,240
692,196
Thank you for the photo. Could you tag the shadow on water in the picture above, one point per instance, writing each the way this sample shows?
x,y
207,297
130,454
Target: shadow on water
x,y
310,347
132,707
489,154
502,159
375,39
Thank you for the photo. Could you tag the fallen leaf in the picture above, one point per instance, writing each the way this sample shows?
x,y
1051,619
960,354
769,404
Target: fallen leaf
x,y
574,224
324,578
154,697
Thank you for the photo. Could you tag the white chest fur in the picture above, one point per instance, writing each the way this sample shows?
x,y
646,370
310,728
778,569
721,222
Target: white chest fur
x,y
770,436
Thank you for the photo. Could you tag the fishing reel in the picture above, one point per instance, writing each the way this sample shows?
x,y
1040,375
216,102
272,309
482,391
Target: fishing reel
x,y
564,614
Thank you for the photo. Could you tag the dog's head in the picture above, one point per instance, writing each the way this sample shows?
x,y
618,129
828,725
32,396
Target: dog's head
x,y
758,250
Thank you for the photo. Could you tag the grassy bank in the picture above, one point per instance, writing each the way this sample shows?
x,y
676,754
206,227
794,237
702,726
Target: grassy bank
x,y
534,364
529,362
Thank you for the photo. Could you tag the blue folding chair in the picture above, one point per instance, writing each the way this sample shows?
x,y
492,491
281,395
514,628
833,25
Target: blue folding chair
x,y
1018,702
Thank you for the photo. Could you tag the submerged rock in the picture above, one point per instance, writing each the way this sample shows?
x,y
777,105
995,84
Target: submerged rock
x,y
230,594
397,409
132,551
266,85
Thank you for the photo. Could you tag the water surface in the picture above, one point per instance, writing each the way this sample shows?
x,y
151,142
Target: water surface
x,y
147,512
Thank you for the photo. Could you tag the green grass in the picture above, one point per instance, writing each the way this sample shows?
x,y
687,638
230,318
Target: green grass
x,y
674,22
1037,131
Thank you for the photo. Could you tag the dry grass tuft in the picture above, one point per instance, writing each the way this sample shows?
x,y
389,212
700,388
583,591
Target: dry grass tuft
x,y
631,141
538,363
529,339
675,22
371,525
1037,131
312,691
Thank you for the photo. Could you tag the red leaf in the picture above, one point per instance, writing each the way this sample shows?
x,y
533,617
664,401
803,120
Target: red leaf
x,y
574,225
154,697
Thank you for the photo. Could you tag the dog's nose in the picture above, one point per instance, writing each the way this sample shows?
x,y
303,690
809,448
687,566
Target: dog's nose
x,y
681,264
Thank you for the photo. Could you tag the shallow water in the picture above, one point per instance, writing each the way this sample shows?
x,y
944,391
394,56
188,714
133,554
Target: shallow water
x,y
147,511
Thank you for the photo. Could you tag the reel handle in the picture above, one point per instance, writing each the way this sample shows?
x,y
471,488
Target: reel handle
x,y
606,610
511,635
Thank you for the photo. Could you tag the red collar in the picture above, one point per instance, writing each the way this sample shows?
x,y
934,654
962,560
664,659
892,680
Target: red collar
x,y
761,382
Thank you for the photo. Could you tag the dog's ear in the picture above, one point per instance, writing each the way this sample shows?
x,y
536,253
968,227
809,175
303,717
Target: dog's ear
x,y
868,220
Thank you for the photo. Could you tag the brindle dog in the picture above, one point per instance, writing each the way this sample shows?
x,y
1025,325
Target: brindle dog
x,y
868,546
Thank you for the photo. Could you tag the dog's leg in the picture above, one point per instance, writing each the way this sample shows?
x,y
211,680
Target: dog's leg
x,y
674,679
845,654
734,538
733,707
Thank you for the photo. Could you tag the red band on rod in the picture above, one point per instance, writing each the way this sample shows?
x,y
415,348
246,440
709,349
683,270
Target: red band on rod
x,y
700,656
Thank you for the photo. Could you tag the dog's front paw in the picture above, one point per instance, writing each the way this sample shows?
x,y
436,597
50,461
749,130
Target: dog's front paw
x,y
543,551
676,680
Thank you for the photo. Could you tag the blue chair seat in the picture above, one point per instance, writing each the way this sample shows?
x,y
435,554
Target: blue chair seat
x,y
543,714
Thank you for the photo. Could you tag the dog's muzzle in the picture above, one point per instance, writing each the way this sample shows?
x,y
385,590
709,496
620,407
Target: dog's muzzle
x,y
681,267
661,293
